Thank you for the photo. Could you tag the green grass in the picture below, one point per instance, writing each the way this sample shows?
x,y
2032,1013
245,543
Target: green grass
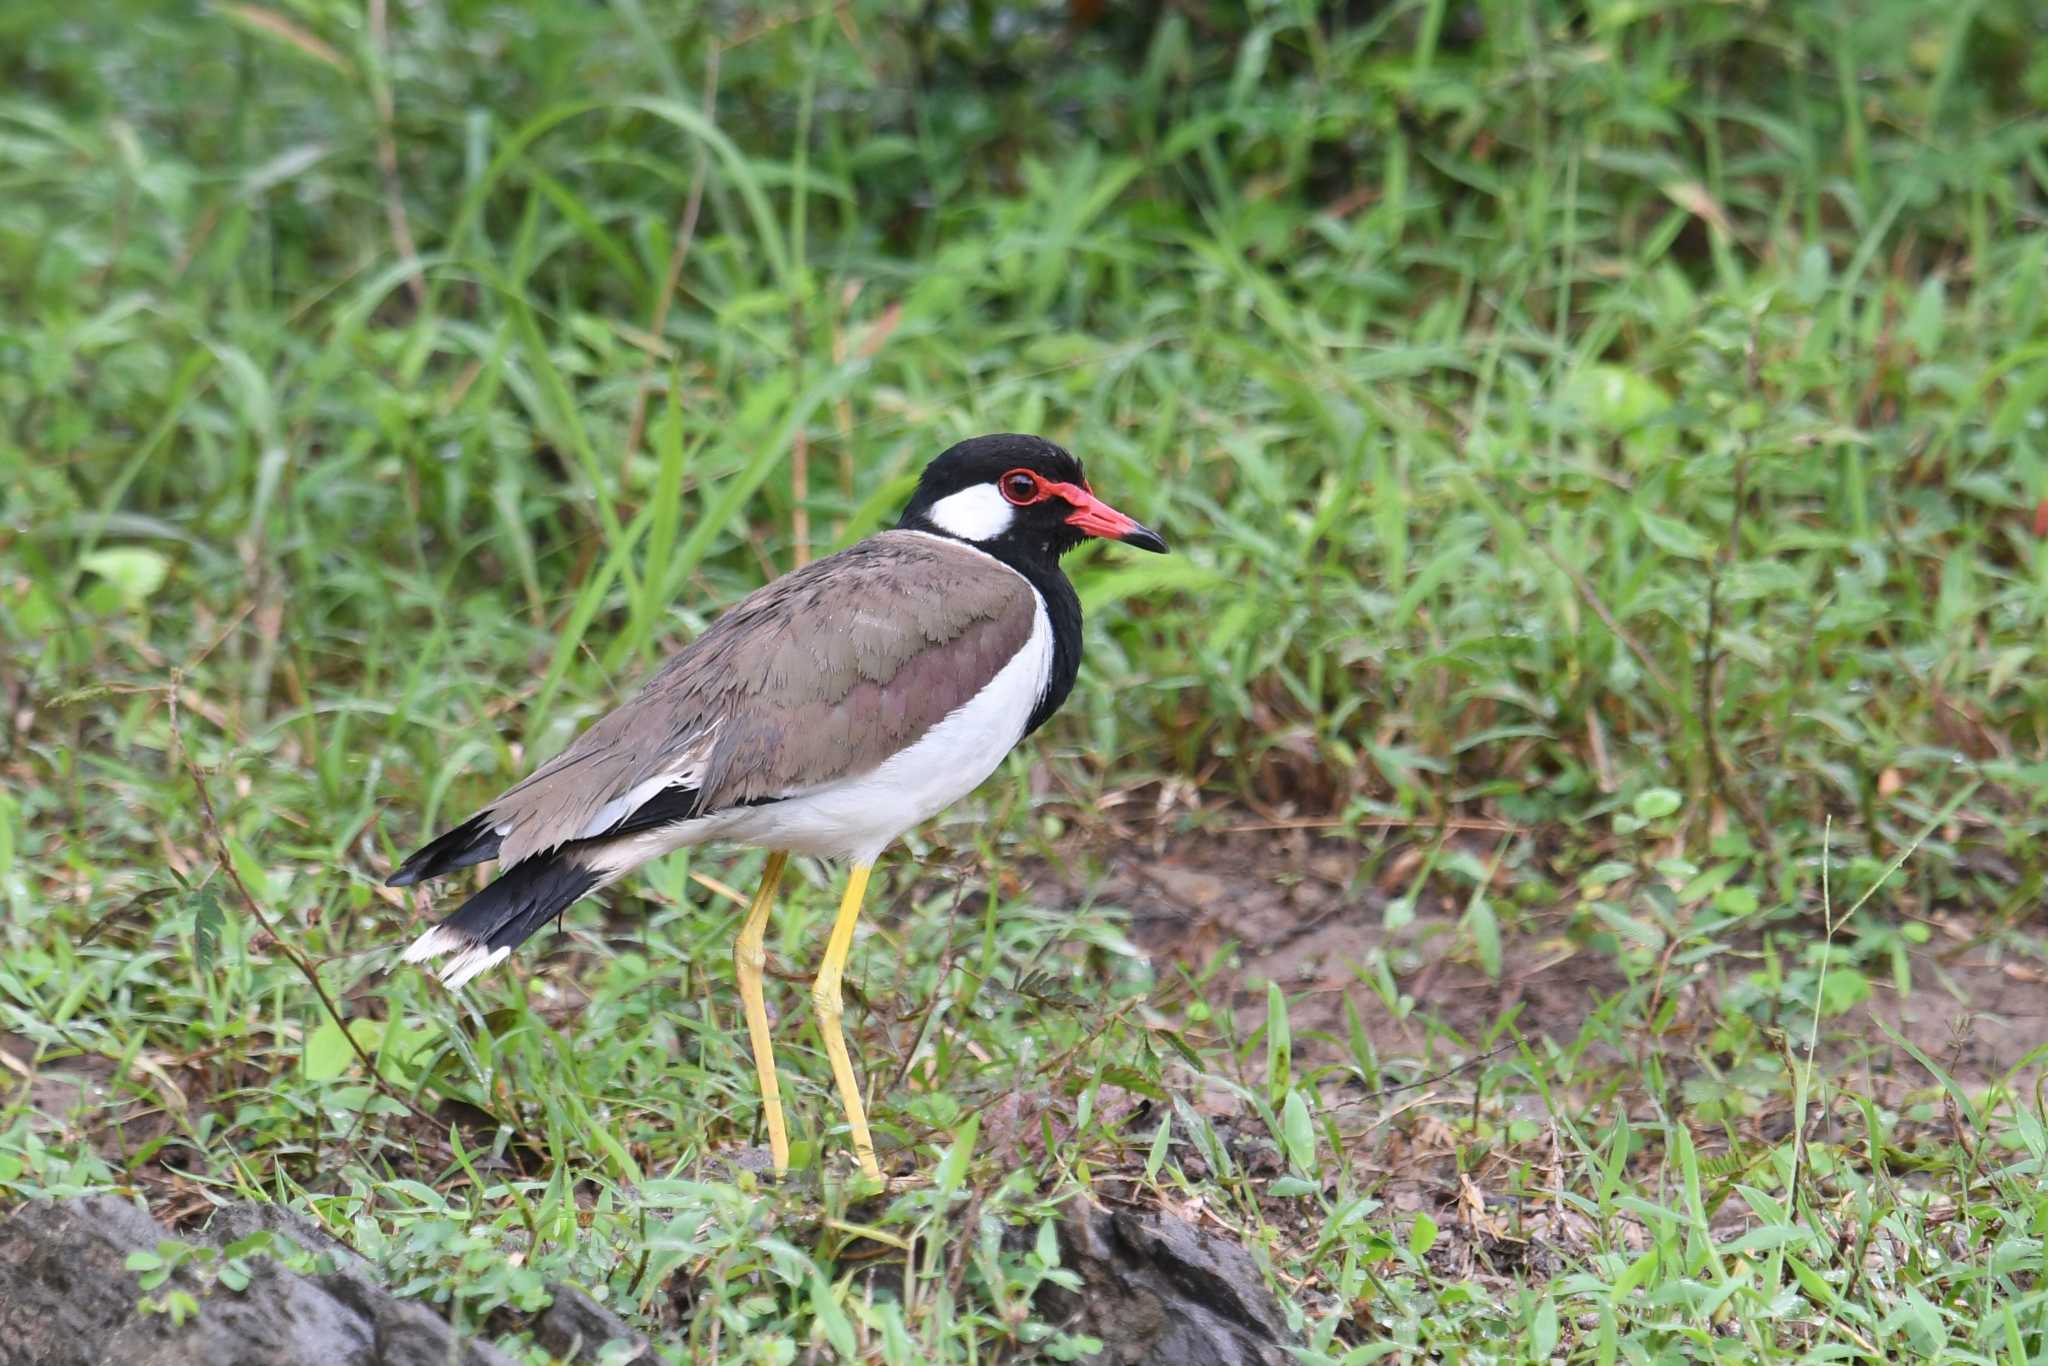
x,y
1601,447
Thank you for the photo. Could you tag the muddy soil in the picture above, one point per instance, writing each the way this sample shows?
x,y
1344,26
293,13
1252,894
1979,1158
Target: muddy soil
x,y
1291,909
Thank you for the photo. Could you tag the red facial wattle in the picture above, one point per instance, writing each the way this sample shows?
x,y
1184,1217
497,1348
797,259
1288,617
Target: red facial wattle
x,y
1090,514
1098,518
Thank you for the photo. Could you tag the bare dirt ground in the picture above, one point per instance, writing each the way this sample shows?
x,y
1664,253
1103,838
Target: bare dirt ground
x,y
1291,908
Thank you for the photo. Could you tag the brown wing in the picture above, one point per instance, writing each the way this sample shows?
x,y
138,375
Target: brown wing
x,y
822,674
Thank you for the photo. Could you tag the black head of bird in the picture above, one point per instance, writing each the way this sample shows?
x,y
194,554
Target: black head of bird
x,y
1017,496
824,714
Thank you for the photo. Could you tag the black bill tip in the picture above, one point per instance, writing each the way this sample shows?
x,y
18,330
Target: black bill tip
x,y
1145,538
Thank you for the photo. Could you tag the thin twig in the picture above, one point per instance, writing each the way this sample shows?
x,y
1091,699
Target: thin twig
x,y
679,249
799,330
1621,633
1474,823
1444,1075
842,406
938,993
1717,776
1717,769
227,866
800,454
387,155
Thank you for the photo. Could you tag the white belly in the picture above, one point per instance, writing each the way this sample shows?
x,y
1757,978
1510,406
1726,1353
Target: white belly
x,y
856,818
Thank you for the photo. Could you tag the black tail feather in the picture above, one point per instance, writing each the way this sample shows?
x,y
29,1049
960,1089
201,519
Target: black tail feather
x,y
526,897
473,841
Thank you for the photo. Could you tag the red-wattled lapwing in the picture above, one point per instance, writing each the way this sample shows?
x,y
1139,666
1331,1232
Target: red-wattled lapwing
x,y
826,714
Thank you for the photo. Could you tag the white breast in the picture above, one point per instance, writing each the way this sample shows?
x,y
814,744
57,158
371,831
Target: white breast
x,y
856,818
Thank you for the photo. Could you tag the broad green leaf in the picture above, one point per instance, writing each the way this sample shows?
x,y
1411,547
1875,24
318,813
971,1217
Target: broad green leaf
x,y
1543,1330
1841,989
135,572
1636,1273
1656,803
1299,1132
1156,1158
1613,398
838,1328
206,926
1485,928
1674,537
1279,1043
327,1053
952,1168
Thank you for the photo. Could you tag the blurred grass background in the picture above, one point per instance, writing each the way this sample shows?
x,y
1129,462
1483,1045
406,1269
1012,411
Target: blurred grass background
x,y
1618,423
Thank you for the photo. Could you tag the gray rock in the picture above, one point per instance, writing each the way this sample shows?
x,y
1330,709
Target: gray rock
x,y
67,1298
232,1223
1158,1291
574,1327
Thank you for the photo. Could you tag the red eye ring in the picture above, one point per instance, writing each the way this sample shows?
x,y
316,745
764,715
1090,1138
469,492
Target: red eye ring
x,y
1021,487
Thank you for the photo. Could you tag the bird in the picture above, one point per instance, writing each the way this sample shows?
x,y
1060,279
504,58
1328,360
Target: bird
x,y
824,714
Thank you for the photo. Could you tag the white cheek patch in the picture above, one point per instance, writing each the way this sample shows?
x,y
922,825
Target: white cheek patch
x,y
980,513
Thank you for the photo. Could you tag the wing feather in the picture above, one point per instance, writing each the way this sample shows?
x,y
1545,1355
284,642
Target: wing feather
x,y
820,675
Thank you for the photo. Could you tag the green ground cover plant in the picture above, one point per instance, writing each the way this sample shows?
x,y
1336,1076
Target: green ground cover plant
x,y
1606,451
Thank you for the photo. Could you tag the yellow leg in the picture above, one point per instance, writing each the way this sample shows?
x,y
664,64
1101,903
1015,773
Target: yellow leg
x,y
825,995
749,958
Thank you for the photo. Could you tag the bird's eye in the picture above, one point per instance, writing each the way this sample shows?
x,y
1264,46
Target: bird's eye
x,y
1020,487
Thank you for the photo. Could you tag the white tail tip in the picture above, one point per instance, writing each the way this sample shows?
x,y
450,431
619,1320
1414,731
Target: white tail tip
x,y
466,956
